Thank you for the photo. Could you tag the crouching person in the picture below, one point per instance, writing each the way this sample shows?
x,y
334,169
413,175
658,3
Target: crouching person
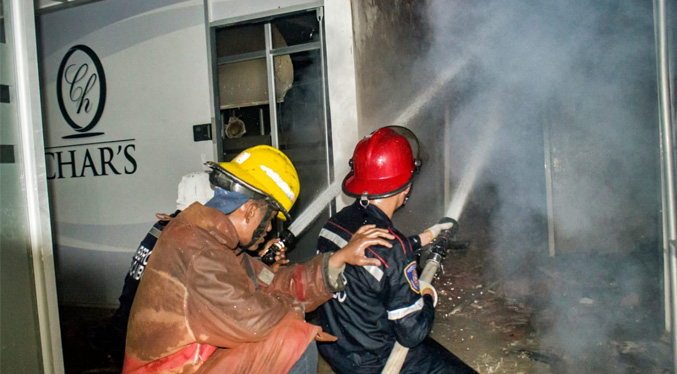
x,y
204,305
384,304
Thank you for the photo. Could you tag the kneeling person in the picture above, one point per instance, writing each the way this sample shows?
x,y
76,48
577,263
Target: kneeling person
x,y
203,305
382,304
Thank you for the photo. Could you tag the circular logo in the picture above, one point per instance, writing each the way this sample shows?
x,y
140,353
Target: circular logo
x,y
81,90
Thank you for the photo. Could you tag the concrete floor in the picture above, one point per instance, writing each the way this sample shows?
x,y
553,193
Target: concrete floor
x,y
576,313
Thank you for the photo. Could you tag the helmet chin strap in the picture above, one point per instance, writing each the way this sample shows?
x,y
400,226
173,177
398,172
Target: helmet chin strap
x,y
406,198
260,230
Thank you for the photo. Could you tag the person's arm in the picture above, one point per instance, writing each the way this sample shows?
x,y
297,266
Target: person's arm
x,y
313,282
353,252
433,231
224,307
410,310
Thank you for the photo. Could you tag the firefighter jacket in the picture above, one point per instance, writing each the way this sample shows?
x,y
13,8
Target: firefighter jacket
x,y
379,305
202,308
133,277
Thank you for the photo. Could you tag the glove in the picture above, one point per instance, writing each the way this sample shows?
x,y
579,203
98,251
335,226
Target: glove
x,y
444,224
423,285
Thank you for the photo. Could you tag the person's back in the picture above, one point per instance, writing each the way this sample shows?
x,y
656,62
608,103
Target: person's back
x,y
193,187
375,307
110,337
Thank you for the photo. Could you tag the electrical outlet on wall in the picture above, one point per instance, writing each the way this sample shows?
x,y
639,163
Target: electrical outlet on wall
x,y
202,132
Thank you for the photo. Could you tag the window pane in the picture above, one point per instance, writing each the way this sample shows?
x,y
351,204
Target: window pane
x,y
302,127
236,40
296,29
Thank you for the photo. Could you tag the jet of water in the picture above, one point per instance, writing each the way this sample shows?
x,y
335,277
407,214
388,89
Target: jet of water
x,y
477,161
315,208
426,96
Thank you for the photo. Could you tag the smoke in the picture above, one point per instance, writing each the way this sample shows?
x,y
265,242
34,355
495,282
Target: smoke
x,y
477,158
584,71
550,89
316,207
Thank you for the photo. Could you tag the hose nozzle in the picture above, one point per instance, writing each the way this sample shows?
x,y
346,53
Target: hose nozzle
x,y
439,247
287,240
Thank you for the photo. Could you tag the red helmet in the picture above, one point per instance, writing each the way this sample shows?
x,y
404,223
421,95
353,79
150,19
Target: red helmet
x,y
382,164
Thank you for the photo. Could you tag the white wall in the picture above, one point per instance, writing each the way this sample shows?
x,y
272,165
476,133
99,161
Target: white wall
x,y
154,55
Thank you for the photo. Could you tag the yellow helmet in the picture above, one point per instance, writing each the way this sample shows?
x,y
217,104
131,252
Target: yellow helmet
x,y
260,172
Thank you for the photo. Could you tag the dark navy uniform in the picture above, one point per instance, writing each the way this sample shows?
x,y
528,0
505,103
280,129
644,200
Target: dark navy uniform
x,y
380,305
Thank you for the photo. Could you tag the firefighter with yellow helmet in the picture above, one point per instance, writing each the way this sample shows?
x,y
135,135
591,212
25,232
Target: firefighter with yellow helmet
x,y
204,304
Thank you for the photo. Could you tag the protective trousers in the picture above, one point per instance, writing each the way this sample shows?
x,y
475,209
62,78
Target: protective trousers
x,y
429,357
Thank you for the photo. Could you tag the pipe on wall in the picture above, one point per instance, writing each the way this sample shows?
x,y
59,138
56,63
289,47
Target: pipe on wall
x,y
667,169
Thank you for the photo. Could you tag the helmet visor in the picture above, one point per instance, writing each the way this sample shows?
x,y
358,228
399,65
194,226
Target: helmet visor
x,y
223,178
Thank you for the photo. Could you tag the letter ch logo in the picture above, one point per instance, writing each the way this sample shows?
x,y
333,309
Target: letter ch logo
x,y
81,90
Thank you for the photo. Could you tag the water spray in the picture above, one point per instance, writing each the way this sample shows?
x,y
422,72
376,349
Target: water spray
x,y
288,236
426,96
477,160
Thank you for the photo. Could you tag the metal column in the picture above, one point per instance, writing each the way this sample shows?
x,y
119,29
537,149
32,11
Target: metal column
x,y
327,126
272,97
667,169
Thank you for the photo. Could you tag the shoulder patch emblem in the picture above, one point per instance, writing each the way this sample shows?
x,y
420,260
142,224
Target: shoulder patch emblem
x,y
412,277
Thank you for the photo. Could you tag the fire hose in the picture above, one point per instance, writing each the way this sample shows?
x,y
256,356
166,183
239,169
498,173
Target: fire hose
x,y
431,255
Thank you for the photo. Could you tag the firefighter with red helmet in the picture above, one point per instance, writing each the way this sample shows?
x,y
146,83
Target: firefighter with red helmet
x,y
383,304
